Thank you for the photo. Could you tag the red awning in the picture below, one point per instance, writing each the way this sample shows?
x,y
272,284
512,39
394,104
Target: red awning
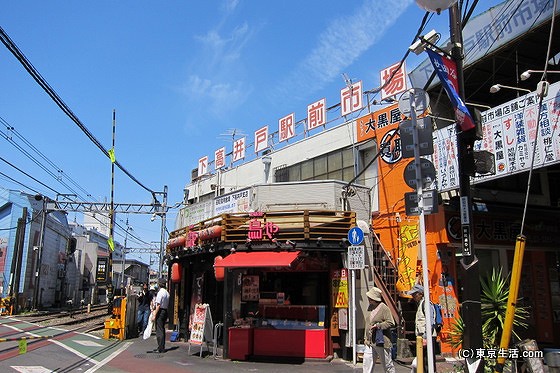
x,y
259,259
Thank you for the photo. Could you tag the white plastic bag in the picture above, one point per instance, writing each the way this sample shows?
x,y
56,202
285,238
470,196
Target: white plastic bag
x,y
148,330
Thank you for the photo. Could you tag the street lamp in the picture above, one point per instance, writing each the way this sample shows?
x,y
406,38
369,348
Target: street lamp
x,y
496,87
527,74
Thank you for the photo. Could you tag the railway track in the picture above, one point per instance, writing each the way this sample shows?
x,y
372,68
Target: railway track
x,y
87,321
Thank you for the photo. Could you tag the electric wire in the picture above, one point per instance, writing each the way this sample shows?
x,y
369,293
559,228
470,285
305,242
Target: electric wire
x,y
541,99
376,90
57,176
18,182
12,47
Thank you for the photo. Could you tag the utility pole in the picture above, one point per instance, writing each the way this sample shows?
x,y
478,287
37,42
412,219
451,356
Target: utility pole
x,y
470,305
110,290
17,259
40,250
163,214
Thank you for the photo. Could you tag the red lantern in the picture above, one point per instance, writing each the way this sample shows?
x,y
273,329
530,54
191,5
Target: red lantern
x,y
219,272
176,272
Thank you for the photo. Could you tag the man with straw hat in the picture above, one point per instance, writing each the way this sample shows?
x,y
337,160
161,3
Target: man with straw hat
x,y
377,343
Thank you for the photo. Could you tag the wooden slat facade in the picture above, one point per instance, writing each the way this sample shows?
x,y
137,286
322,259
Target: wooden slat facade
x,y
297,226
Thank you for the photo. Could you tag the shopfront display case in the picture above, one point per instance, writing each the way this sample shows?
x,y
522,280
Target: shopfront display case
x,y
291,331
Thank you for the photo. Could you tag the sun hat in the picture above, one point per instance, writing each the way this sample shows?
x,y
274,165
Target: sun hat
x,y
374,294
416,289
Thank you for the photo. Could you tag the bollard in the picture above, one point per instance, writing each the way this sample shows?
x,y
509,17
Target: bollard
x,y
89,308
552,359
419,354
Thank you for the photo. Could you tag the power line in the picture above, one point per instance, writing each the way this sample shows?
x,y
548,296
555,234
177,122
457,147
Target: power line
x,y
59,173
20,183
12,47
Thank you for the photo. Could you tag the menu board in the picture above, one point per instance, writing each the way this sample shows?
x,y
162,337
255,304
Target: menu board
x,y
201,324
250,288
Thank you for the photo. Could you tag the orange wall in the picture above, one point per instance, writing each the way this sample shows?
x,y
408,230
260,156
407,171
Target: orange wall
x,y
388,221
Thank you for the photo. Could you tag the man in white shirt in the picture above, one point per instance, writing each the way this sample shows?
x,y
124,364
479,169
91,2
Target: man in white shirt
x,y
160,314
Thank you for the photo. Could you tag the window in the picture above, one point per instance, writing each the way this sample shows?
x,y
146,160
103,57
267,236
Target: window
x,y
337,165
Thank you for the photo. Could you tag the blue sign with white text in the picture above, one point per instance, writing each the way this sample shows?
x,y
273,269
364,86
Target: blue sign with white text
x,y
355,236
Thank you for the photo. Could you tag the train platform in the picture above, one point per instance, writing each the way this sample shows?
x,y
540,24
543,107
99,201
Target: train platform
x,y
183,357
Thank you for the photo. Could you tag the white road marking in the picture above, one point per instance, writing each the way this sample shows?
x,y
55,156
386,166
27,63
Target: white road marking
x,y
109,358
89,343
30,369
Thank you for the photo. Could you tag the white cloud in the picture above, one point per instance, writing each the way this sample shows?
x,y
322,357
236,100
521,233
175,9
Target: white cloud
x,y
230,5
341,44
217,96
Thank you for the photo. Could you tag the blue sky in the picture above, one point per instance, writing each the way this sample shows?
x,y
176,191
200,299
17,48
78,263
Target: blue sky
x,y
179,75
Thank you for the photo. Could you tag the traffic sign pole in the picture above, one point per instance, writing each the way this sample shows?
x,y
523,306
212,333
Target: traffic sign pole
x,y
355,259
422,224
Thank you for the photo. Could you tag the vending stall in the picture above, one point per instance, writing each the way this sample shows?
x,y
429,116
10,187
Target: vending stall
x,y
279,304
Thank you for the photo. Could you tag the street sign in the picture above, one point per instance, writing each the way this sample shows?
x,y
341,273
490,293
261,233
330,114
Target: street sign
x,y
427,173
356,257
425,141
420,100
355,236
430,202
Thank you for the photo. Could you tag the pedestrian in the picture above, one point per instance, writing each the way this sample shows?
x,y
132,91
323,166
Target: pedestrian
x,y
159,314
144,309
417,293
376,340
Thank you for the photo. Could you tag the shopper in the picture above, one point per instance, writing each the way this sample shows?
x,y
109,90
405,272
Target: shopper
x,y
144,302
160,314
376,340
417,293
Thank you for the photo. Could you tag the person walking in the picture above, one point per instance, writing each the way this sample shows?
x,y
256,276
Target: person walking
x,y
159,314
417,293
376,340
144,309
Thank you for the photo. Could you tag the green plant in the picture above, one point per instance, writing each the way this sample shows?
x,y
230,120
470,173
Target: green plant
x,y
493,298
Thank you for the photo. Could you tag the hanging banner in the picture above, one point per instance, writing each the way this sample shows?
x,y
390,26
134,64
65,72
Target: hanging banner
x,y
509,132
196,298
408,256
339,288
446,70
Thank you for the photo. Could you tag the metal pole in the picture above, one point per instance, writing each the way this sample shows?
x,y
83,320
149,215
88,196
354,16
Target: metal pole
x,y
162,238
353,285
123,256
39,255
422,236
512,300
110,292
470,306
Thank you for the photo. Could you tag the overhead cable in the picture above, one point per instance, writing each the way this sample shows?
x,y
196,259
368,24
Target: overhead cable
x,y
12,47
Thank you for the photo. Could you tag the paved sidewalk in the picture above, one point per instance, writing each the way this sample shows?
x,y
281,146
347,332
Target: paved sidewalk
x,y
138,357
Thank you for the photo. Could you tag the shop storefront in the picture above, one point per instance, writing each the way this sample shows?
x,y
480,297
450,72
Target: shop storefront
x,y
279,306
266,278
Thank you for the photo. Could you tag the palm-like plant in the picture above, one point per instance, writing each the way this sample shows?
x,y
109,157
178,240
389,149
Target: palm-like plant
x,y
493,298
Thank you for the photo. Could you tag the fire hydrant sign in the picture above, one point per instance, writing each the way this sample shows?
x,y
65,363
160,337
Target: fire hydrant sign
x,y
356,259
